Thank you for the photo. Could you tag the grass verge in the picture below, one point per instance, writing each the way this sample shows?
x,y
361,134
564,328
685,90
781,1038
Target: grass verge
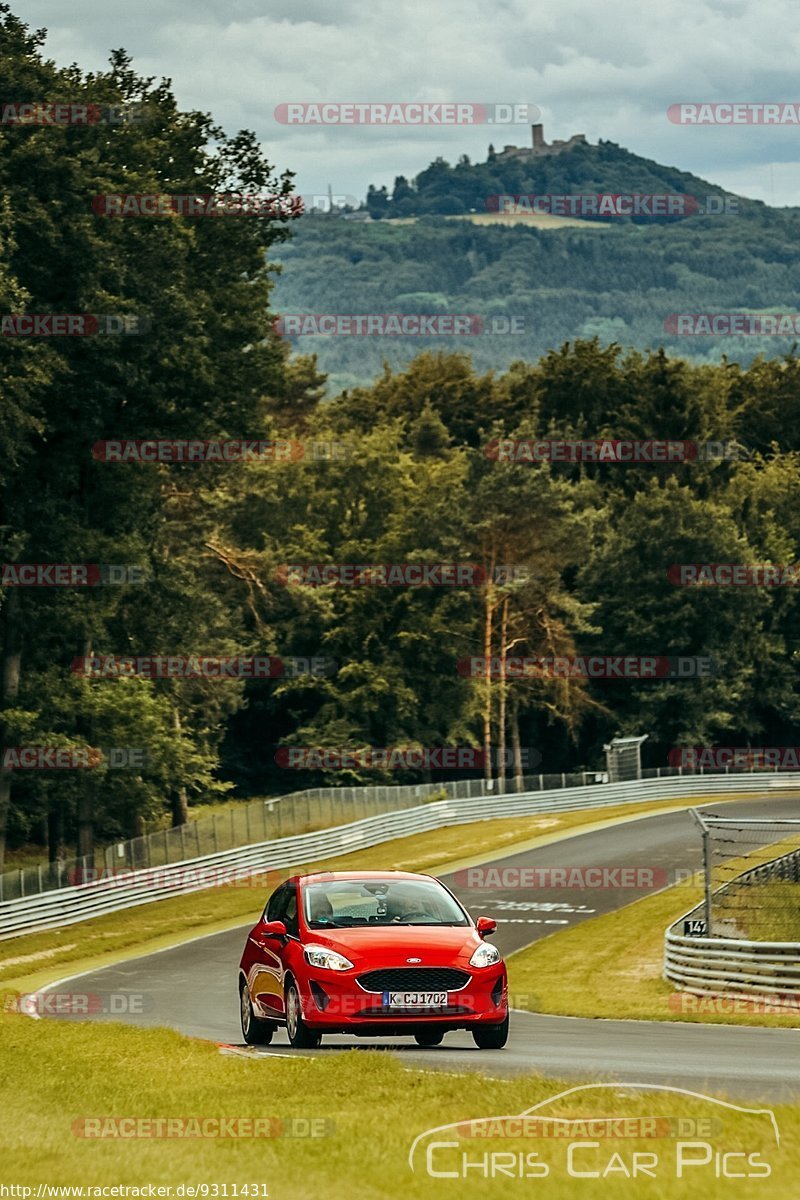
x,y
53,1077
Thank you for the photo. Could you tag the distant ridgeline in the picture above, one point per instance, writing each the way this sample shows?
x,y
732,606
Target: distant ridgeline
x,y
538,283
542,177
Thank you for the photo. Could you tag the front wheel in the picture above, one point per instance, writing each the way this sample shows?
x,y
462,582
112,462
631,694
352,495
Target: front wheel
x,y
429,1037
300,1036
254,1031
491,1037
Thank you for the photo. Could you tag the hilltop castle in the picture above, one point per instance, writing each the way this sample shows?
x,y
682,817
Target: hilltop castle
x,y
539,147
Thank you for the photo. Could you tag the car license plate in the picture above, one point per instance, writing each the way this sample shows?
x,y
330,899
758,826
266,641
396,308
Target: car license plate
x,y
415,999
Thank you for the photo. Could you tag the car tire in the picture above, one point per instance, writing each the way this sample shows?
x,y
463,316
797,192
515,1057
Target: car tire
x,y
491,1037
429,1037
254,1031
300,1036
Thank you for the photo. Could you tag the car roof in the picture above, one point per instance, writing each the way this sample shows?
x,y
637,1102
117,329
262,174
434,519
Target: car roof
x,y
343,876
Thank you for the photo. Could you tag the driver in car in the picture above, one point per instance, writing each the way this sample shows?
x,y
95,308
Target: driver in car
x,y
320,907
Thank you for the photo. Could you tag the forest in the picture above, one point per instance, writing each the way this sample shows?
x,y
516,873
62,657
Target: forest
x,y
177,558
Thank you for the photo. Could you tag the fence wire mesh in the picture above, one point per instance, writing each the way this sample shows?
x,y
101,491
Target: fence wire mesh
x,y
752,870
254,822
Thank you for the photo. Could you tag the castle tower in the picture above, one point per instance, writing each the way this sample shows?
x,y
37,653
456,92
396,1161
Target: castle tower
x,y
537,132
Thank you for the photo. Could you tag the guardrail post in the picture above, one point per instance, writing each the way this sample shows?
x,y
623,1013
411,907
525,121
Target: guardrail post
x,y
214,832
21,883
166,849
247,822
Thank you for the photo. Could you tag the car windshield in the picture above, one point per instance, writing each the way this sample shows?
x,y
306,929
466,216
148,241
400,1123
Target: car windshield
x,y
349,902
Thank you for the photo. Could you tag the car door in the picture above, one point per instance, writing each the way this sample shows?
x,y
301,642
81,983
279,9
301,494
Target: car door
x,y
266,983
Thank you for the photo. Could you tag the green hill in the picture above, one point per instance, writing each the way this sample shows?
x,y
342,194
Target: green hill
x,y
581,169
538,283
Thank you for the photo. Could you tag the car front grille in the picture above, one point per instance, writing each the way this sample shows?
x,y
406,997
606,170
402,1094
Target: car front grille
x,y
414,979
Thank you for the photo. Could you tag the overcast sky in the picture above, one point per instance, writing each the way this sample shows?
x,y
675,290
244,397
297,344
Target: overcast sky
x,y
609,70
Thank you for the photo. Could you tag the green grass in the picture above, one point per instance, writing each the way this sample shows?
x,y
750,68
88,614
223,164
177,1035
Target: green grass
x,y
763,912
610,966
53,1074
33,959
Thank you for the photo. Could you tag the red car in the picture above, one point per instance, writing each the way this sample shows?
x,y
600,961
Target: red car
x,y
371,953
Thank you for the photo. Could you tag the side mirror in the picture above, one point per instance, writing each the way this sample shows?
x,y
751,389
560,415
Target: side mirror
x,y
485,926
273,929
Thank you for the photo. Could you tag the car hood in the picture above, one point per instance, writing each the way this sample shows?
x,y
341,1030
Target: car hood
x,y
430,943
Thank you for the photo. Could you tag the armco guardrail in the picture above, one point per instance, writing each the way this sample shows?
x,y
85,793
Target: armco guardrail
x,y
277,817
64,907
729,967
259,821
734,967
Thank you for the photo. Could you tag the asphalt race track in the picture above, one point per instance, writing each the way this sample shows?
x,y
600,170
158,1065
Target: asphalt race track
x,y
193,987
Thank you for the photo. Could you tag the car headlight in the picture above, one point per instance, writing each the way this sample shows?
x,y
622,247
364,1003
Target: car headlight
x,y
486,955
321,956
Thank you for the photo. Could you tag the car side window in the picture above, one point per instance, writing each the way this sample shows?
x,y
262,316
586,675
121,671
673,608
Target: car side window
x,y
290,915
276,906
